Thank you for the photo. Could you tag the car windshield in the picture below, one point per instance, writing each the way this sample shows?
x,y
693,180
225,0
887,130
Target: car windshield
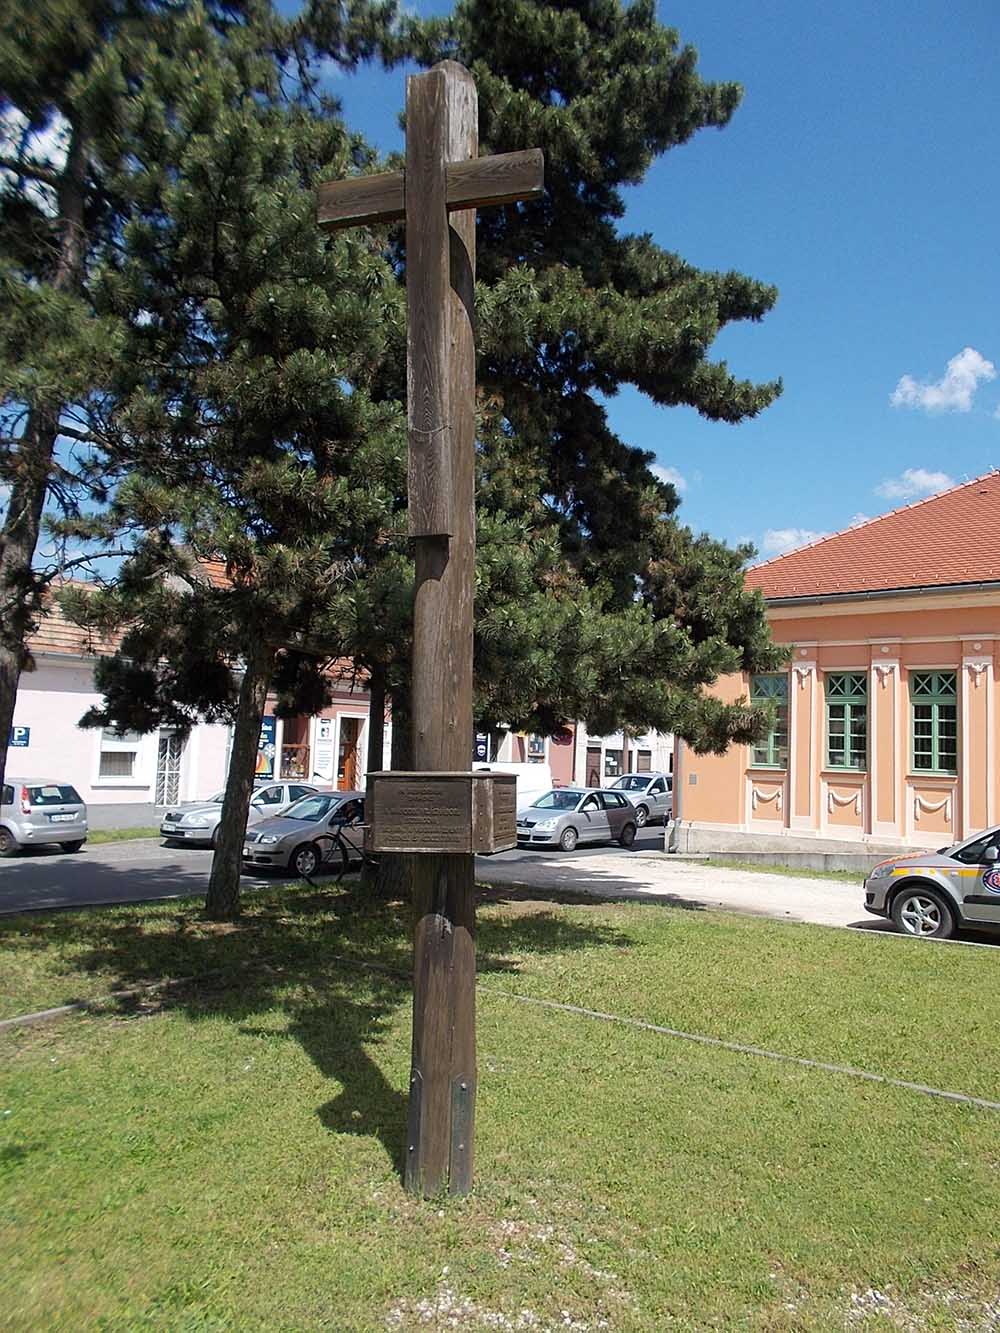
x,y
311,808
54,795
217,799
633,782
557,800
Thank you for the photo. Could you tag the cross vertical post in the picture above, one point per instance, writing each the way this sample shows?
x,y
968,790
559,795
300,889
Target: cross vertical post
x,y
441,127
438,194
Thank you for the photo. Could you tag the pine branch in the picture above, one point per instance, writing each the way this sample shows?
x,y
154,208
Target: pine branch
x,y
30,169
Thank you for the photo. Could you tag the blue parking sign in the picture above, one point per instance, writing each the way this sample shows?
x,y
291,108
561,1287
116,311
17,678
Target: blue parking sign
x,y
19,737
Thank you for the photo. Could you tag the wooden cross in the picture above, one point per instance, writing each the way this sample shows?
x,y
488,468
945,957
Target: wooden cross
x,y
438,194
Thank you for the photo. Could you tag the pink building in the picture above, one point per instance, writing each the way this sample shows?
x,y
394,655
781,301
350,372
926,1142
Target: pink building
x,y
886,724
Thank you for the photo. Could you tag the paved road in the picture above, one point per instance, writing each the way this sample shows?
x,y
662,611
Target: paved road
x,y
144,870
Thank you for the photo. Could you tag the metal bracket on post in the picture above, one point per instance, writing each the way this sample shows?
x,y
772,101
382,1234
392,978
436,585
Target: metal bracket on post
x,y
463,1108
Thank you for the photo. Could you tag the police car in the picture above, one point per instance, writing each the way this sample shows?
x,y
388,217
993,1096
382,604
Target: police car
x,y
933,894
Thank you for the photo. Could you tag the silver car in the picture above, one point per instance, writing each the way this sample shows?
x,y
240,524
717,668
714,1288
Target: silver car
x,y
288,842
566,816
652,794
199,822
36,810
932,894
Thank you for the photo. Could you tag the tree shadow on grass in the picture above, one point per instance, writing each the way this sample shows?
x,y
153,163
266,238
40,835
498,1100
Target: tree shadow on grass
x,y
335,967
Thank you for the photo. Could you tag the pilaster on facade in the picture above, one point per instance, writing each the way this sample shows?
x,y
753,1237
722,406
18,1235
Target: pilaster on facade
x,y
976,687
802,753
885,742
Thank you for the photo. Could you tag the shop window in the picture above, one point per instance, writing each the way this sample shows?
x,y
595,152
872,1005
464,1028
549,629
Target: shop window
x,y
536,749
119,750
934,721
644,761
613,765
847,720
772,750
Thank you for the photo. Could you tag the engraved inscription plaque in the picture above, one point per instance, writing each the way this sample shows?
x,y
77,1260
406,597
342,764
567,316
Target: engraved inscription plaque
x,y
441,812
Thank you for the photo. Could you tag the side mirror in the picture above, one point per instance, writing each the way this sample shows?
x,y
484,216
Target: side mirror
x,y
991,854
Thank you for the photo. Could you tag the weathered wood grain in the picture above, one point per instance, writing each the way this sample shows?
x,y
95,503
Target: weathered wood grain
x,y
361,199
503,178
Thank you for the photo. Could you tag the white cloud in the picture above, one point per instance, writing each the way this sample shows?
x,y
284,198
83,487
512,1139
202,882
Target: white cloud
x,y
671,476
857,518
779,540
913,482
956,389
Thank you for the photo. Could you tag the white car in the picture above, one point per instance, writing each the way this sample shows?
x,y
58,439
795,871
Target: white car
x,y
199,822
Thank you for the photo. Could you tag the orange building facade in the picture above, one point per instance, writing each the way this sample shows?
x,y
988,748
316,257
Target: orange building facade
x,y
887,730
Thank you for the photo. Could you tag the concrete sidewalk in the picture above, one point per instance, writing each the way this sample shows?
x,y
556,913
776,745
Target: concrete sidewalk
x,y
691,884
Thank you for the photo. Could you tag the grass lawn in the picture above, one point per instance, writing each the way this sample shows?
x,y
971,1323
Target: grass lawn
x,y
228,1158
845,876
99,835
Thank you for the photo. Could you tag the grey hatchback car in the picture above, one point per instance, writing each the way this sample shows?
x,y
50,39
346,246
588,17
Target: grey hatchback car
x,y
932,894
288,841
199,822
566,816
650,793
35,811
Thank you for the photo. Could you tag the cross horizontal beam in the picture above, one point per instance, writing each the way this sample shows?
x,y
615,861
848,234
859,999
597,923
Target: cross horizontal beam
x,y
502,178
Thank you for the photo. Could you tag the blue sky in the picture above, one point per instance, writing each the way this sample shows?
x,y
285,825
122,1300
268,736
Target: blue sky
x,y
859,176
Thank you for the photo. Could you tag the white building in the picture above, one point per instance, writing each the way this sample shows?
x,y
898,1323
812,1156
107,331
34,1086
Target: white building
x,y
126,778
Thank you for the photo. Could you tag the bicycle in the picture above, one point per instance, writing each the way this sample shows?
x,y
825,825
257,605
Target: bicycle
x,y
335,851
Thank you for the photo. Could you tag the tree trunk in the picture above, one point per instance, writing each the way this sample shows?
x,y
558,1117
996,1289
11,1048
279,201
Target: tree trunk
x,y
394,878
20,586
222,902
376,745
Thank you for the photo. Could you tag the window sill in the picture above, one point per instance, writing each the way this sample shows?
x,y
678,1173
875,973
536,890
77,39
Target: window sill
x,y
121,784
832,771
939,774
769,768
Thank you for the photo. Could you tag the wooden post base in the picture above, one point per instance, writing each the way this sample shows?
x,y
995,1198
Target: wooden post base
x,y
441,1120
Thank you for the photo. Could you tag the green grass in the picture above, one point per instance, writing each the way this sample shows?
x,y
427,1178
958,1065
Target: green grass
x,y
228,1159
845,876
120,834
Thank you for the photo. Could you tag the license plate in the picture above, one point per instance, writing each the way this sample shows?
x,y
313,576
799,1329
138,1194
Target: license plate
x,y
62,819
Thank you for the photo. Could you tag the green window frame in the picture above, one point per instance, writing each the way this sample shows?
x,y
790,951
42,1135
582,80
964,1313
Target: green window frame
x,y
847,720
934,721
772,750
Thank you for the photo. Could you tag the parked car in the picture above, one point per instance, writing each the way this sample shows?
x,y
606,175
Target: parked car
x,y
652,794
36,810
287,842
932,894
566,816
199,822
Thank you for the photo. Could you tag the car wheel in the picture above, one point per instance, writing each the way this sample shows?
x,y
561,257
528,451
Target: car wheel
x,y
641,816
568,839
9,845
305,860
923,913
627,836
72,846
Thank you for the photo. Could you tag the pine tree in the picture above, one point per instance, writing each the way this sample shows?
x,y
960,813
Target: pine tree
x,y
592,601
240,408
71,75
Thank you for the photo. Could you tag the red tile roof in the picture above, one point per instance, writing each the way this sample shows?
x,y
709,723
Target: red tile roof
x,y
56,634
949,538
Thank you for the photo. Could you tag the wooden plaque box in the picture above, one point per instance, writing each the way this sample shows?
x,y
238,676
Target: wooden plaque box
x,y
441,812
